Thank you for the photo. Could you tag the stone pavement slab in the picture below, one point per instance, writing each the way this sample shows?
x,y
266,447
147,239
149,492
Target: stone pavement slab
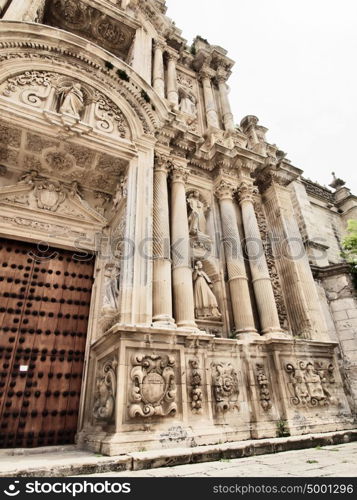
x,y
329,461
212,459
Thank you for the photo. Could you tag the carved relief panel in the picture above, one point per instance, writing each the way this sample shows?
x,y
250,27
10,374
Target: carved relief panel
x,y
67,103
225,388
152,386
105,392
83,19
311,383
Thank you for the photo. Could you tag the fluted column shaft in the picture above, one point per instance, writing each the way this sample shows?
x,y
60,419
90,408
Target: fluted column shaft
x,y
158,70
225,104
210,105
172,92
263,289
238,281
162,285
184,311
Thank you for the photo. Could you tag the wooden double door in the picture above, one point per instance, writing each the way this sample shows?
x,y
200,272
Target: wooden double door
x,y
44,307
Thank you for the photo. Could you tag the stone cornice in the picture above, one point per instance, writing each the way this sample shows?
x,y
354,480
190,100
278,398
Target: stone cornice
x,y
333,270
317,191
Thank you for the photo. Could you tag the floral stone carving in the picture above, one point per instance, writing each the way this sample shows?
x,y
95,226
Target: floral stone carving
x,y
225,387
153,391
263,385
196,387
311,384
104,402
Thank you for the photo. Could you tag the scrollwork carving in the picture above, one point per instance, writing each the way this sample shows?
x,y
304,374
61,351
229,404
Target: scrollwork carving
x,y
104,399
153,390
196,387
263,385
311,384
225,387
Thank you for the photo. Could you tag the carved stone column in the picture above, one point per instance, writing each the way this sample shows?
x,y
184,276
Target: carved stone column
x,y
159,74
162,287
225,104
21,10
238,281
172,92
210,105
305,313
184,309
268,313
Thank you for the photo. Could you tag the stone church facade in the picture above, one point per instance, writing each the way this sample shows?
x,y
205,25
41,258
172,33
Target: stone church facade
x,y
168,278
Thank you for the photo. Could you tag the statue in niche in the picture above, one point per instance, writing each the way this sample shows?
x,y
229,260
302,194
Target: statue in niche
x,y
187,103
111,289
72,100
197,217
206,306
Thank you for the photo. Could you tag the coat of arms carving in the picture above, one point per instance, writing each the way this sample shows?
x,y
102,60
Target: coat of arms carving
x,y
153,391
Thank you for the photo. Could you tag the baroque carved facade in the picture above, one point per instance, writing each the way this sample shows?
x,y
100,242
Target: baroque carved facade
x,y
217,308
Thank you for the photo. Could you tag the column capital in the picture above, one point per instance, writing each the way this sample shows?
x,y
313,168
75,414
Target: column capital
x,y
172,55
206,73
275,175
222,75
179,173
225,190
162,162
246,192
160,44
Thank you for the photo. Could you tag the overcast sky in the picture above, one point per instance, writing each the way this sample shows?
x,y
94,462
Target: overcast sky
x,y
295,70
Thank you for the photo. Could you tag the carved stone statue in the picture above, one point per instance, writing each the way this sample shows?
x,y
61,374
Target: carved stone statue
x,y
72,100
187,103
197,217
206,306
111,289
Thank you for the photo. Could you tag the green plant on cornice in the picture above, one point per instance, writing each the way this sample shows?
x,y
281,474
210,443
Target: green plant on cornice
x,y
193,50
349,245
123,75
282,429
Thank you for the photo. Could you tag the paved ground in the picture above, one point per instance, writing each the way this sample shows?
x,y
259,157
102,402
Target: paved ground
x,y
327,461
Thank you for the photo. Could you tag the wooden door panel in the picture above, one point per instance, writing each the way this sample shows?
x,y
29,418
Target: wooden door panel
x,y
44,309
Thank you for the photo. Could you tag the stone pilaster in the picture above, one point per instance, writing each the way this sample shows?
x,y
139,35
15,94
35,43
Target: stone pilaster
x,y
263,290
158,71
238,281
305,313
225,104
22,10
184,311
210,105
172,91
162,286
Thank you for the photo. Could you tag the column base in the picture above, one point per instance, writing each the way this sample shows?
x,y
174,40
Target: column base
x,y
275,335
189,326
247,336
164,322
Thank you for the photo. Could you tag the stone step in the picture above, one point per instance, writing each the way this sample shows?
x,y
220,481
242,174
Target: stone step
x,y
70,461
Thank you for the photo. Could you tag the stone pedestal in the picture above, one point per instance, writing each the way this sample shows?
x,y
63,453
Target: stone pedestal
x,y
177,389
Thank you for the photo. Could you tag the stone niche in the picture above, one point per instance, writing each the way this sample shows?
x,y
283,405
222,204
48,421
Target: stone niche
x,y
156,389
